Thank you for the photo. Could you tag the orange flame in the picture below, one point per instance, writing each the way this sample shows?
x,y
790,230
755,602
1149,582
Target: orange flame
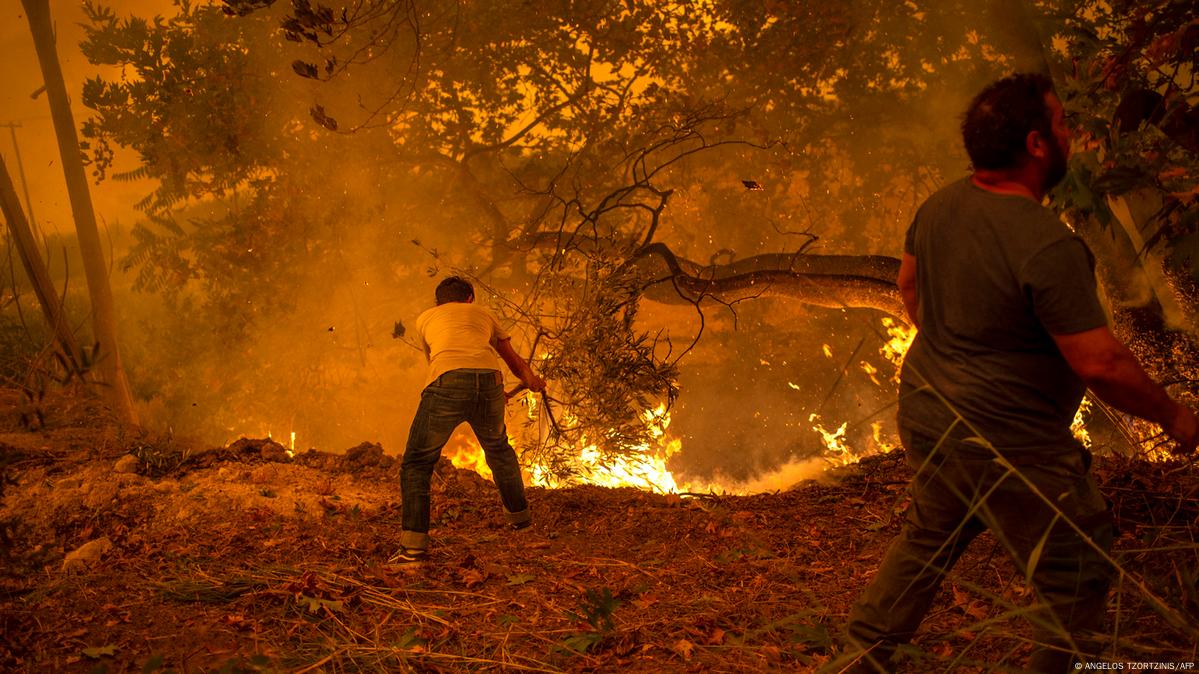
x,y
838,452
1078,426
899,339
468,455
643,467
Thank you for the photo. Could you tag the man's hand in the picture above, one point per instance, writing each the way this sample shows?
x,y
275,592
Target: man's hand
x,y
519,367
534,382
1184,430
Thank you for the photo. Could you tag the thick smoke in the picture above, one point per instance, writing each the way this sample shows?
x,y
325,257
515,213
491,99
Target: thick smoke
x,y
310,344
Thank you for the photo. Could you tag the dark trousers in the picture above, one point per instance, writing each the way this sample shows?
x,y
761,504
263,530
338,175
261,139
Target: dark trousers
x,y
958,494
473,396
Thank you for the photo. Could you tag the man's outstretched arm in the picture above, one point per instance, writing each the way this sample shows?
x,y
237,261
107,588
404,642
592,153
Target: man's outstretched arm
x,y
1113,373
519,366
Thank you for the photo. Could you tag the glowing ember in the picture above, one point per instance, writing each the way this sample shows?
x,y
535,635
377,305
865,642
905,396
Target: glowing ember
x,y
871,371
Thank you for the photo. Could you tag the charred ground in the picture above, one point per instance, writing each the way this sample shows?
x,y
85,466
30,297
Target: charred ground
x,y
240,559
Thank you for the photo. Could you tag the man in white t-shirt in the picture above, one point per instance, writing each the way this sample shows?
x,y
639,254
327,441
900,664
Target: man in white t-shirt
x,y
464,344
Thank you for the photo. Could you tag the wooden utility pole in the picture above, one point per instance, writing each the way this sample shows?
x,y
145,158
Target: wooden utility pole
x,y
35,269
104,322
16,148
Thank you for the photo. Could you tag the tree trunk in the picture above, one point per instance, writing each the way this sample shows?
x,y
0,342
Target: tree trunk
x,y
868,281
103,312
35,269
833,281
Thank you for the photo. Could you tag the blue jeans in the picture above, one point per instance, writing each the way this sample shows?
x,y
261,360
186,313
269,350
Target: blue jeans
x,y
476,397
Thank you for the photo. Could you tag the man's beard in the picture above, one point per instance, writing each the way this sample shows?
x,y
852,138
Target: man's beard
x,y
1057,166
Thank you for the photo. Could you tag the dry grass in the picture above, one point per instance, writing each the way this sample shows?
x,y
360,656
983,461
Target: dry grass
x,y
280,568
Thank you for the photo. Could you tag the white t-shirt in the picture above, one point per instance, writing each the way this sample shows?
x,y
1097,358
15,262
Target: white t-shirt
x,y
458,335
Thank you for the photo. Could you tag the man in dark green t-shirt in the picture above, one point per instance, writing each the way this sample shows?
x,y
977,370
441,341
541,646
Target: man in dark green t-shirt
x,y
1010,335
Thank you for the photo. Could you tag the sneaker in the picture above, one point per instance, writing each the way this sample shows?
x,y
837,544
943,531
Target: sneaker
x,y
408,558
518,520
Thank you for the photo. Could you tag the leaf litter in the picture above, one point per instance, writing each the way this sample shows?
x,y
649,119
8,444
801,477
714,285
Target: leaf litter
x,y
242,559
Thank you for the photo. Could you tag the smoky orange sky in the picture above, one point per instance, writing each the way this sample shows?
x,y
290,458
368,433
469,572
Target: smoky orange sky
x,y
325,364
21,77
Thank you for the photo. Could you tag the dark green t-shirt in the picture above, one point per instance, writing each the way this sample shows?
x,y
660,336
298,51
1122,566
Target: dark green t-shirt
x,y
997,275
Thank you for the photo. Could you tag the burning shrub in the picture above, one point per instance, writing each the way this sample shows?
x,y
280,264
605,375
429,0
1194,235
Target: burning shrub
x,y
605,373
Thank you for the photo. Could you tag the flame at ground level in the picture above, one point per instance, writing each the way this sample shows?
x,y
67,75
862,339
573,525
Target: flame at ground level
x,y
648,471
641,466
645,466
469,455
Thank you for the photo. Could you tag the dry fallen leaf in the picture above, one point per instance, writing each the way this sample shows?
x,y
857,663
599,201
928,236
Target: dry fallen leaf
x,y
684,648
643,602
236,621
472,577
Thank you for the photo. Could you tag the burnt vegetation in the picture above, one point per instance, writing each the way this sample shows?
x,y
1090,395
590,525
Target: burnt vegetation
x,y
684,207
240,558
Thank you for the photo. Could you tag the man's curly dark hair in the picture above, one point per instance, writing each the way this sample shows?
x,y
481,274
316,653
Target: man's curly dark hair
x,y
1000,118
454,289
